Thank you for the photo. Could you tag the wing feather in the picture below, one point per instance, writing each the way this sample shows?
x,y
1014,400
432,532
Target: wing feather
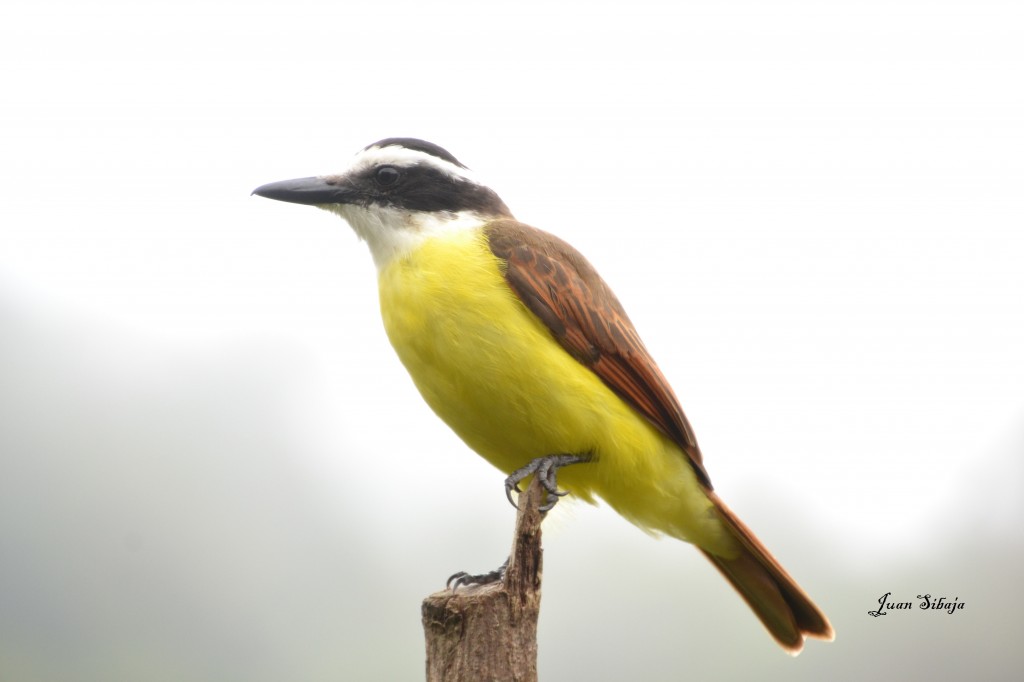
x,y
560,287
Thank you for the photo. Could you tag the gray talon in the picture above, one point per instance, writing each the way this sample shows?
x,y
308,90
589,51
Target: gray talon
x,y
546,469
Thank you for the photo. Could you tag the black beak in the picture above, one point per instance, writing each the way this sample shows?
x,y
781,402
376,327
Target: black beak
x,y
308,191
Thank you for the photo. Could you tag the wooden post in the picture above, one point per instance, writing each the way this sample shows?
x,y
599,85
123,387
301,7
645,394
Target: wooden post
x,y
489,632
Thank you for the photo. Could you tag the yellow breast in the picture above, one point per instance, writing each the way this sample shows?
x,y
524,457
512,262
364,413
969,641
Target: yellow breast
x,y
492,371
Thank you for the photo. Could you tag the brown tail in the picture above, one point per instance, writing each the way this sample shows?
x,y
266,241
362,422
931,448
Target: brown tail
x,y
787,612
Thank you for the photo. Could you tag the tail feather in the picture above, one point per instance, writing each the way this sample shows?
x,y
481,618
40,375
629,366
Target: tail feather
x,y
776,599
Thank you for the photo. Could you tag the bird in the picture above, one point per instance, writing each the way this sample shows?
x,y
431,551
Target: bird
x,y
517,343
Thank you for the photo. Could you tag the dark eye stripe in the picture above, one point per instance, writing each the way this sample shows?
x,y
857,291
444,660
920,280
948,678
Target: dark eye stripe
x,y
424,187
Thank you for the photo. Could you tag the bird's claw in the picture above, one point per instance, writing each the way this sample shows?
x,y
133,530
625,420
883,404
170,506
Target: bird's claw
x,y
462,578
546,470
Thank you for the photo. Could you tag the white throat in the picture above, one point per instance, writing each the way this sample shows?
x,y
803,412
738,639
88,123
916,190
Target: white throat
x,y
393,233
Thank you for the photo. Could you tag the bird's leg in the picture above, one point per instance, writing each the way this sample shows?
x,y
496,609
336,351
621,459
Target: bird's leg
x,y
463,578
546,468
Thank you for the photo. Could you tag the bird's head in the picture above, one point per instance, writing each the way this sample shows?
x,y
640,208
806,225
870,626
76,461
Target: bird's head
x,y
395,194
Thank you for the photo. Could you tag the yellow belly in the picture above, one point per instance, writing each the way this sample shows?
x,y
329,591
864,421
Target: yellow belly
x,y
492,371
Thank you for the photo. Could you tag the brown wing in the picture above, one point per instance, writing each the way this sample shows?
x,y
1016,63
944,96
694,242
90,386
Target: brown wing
x,y
559,286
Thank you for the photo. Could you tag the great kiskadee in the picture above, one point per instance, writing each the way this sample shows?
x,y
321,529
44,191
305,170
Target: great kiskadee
x,y
517,343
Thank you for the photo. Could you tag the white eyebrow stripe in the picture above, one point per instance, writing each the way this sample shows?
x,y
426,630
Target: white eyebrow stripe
x,y
404,158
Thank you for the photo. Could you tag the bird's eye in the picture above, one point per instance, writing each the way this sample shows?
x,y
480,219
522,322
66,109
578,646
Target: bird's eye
x,y
387,176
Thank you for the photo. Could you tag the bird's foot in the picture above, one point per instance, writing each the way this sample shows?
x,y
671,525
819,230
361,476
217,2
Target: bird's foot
x,y
463,578
546,469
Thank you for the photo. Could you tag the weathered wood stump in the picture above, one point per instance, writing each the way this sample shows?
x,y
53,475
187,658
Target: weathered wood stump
x,y
489,632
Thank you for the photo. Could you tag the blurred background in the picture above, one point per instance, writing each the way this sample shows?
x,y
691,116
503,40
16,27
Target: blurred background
x,y
213,468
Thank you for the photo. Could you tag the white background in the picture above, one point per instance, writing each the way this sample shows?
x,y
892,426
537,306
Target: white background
x,y
212,467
